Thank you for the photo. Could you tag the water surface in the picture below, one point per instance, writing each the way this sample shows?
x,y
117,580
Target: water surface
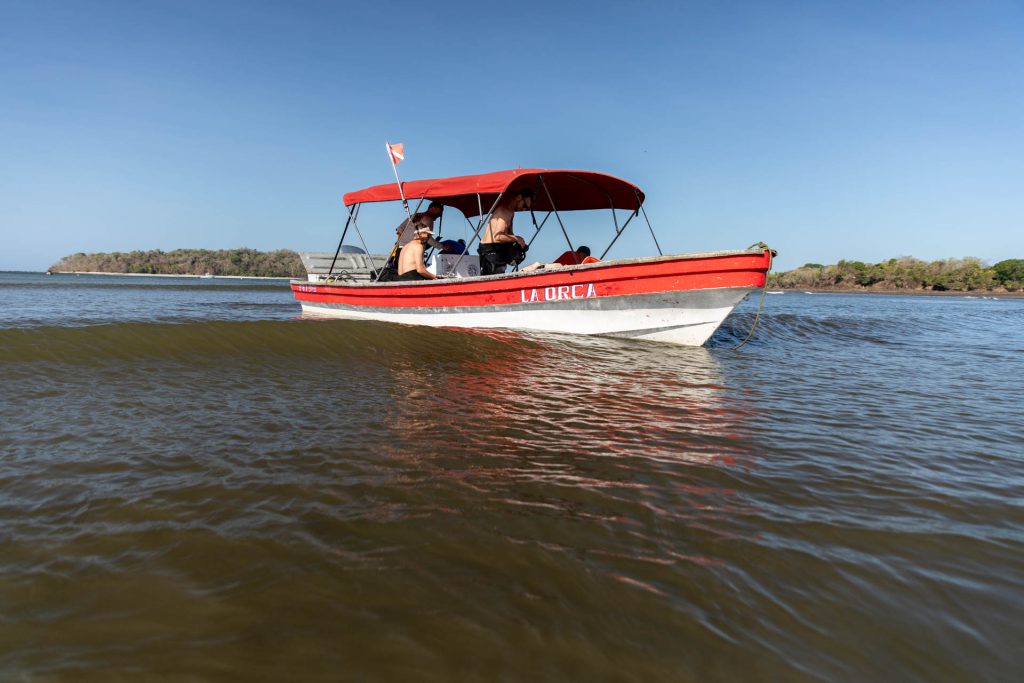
x,y
195,483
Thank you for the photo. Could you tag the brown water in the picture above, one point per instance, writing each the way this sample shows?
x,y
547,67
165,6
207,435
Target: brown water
x,y
195,485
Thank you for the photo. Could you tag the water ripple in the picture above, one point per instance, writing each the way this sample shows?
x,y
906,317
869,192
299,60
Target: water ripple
x,y
285,498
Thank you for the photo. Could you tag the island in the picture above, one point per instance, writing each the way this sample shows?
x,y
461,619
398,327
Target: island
x,y
242,262
905,274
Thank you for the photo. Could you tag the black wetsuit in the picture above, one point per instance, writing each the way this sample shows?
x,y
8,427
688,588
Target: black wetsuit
x,y
412,275
495,256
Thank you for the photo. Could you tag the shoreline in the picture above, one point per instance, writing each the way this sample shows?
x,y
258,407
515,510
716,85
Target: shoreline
x,y
890,292
197,277
778,290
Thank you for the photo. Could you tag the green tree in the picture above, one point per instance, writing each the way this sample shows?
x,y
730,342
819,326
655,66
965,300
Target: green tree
x,y
242,261
1009,272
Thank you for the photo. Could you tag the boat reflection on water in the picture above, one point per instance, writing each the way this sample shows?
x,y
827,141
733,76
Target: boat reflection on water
x,y
618,457
544,396
612,429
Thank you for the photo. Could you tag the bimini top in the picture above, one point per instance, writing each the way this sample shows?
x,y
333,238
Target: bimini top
x,y
570,190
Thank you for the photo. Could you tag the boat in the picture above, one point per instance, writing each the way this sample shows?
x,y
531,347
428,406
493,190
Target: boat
x,y
679,298
206,276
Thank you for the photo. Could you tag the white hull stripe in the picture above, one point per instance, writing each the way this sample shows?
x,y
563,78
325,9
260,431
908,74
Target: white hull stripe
x,y
687,317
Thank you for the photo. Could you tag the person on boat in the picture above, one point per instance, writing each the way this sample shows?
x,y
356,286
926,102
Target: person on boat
x,y
453,246
410,260
568,258
406,229
500,246
573,258
405,232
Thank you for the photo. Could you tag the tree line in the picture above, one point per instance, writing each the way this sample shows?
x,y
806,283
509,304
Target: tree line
x,y
953,274
906,272
227,262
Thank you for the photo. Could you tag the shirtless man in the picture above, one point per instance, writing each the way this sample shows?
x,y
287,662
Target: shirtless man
x,y
410,261
405,232
495,246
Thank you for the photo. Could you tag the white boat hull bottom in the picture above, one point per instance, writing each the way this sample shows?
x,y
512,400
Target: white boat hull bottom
x,y
686,317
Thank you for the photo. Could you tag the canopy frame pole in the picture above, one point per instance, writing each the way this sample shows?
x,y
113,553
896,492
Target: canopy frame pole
x,y
636,212
653,236
551,201
437,238
330,273
530,243
615,218
479,227
536,230
355,224
484,219
620,231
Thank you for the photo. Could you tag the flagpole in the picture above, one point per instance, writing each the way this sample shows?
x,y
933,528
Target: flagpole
x,y
393,256
398,181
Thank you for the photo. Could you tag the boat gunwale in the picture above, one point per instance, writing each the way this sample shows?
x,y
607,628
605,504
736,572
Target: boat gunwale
x,y
644,260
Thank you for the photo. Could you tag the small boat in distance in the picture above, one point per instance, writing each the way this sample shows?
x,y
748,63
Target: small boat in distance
x,y
207,276
680,298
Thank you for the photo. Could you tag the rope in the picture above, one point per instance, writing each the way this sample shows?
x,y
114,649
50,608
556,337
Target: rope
x,y
764,292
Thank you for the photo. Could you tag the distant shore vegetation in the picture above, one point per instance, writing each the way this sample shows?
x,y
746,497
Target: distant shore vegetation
x,y
225,262
907,273
903,273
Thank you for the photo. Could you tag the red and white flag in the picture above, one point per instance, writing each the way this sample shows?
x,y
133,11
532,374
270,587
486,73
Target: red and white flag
x,y
397,152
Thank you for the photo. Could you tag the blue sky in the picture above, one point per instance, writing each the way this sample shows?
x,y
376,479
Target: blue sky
x,y
859,130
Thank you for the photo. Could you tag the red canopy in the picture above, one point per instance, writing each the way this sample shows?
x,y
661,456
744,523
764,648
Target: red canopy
x,y
570,190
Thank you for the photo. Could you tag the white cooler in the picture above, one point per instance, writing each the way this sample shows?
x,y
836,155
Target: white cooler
x,y
444,264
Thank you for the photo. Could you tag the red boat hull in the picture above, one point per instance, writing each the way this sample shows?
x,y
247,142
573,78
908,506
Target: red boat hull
x,y
680,298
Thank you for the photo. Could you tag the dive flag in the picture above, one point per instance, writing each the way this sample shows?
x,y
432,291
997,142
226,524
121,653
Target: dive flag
x,y
397,152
